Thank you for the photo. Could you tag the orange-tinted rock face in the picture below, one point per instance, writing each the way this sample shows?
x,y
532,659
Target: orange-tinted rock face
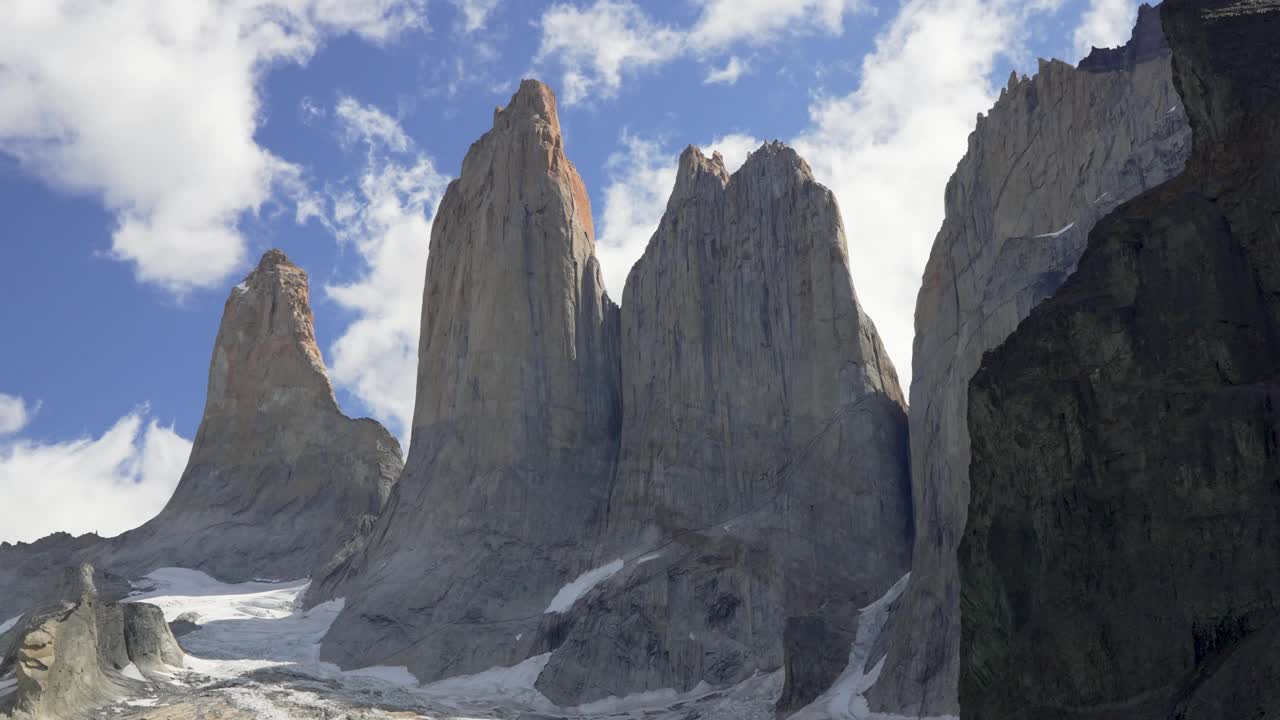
x,y
278,477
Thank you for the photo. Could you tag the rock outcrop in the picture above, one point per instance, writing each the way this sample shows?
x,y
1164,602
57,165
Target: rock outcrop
x,y
1056,153
279,480
30,572
515,429
763,437
79,651
1122,557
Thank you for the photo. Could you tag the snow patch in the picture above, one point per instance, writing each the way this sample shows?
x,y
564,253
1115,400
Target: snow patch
x,y
242,288
243,626
646,700
571,593
398,675
1102,197
132,672
7,625
647,558
513,684
845,700
252,626
143,702
1058,232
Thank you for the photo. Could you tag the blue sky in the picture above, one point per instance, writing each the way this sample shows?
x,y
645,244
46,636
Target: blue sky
x,y
151,151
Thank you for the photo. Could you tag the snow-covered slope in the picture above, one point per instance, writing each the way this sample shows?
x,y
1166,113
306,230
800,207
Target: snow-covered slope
x,y
255,654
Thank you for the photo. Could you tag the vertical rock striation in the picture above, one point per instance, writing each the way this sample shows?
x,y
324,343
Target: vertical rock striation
x,y
762,474
1056,153
516,424
278,477
1122,557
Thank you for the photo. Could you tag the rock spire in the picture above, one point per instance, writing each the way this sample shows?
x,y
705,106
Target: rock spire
x,y
516,423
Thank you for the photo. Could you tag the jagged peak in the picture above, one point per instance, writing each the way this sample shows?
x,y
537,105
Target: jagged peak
x,y
698,174
533,101
695,172
777,157
268,332
273,268
1146,42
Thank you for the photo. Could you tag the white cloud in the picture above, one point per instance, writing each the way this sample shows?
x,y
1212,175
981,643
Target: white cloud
x,y
475,13
641,175
367,124
13,414
152,108
888,148
1107,23
724,22
387,219
106,485
729,74
597,45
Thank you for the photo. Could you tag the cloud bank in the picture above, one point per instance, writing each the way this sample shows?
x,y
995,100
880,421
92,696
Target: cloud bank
x,y
106,484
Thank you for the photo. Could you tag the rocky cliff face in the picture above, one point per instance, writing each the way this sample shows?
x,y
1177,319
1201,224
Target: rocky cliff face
x,y
763,434
642,500
278,480
78,651
1057,152
278,477
516,424
1124,527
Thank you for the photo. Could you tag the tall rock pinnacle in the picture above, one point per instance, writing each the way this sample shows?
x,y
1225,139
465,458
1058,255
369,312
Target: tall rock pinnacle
x,y
1057,153
279,481
515,427
278,477
762,475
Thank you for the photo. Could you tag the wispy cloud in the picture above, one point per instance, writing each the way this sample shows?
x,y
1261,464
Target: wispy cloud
x,y
386,216
729,74
14,414
597,45
475,13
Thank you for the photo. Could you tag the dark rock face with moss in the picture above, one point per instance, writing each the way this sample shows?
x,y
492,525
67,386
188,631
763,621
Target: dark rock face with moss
x,y
1057,152
1122,556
